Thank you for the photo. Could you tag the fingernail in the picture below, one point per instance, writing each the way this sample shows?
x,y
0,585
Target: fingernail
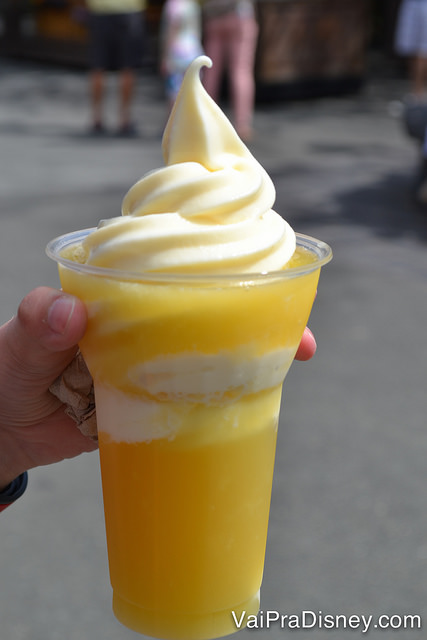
x,y
59,314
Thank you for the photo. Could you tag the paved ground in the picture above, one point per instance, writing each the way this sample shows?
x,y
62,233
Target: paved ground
x,y
348,532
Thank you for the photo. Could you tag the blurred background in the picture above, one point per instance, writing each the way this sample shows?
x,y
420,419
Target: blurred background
x,y
348,525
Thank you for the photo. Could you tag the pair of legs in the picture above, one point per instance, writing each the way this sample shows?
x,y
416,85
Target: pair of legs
x,y
126,91
116,42
230,41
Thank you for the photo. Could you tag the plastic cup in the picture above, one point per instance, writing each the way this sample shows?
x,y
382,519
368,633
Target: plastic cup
x,y
188,373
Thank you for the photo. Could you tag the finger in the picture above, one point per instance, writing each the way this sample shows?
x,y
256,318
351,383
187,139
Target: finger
x,y
42,337
307,347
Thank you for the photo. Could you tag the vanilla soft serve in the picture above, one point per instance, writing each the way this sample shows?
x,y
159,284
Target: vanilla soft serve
x,y
207,211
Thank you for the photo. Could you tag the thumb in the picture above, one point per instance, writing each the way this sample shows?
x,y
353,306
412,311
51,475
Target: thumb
x,y
41,340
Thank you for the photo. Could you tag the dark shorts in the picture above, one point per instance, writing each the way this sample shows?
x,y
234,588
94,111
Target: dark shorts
x,y
116,40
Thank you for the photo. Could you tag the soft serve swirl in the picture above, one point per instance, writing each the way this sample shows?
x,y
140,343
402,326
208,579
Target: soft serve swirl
x,y
207,211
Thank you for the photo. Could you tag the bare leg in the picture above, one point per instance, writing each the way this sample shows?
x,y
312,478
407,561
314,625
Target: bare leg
x,y
418,71
126,88
97,95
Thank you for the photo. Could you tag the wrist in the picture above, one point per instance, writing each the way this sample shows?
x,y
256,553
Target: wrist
x,y
5,481
11,464
7,476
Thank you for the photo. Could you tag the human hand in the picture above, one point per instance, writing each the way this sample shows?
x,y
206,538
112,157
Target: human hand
x,y
35,347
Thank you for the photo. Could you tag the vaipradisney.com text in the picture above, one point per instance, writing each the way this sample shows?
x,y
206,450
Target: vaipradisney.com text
x,y
316,620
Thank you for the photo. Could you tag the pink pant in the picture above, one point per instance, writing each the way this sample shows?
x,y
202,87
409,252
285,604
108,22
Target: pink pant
x,y
231,40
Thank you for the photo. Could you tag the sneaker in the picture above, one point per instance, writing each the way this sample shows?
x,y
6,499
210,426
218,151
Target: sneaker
x,y
97,130
128,130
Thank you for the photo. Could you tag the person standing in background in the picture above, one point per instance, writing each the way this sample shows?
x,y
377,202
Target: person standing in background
x,y
411,42
230,32
116,33
180,42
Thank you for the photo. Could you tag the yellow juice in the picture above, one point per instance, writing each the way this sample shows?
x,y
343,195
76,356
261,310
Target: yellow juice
x,y
188,379
187,520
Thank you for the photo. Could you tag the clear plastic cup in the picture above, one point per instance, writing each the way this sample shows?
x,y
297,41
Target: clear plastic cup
x,y
188,373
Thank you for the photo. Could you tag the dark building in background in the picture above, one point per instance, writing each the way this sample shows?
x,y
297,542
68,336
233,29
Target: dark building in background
x,y
307,47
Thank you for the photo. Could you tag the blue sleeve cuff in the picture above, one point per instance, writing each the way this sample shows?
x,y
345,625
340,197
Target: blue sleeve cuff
x,y
15,489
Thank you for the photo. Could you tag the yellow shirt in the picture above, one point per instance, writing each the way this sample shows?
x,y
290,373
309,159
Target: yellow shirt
x,y
115,6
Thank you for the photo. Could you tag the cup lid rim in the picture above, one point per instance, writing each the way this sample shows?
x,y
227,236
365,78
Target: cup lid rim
x,y
320,248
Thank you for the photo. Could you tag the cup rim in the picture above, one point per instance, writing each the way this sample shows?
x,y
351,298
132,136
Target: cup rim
x,y
322,251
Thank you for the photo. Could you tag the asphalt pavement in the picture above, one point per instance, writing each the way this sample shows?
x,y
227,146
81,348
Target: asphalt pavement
x,y
348,526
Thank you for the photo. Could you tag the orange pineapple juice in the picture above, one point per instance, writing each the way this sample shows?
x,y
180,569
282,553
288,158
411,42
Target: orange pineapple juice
x,y
187,531
188,375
